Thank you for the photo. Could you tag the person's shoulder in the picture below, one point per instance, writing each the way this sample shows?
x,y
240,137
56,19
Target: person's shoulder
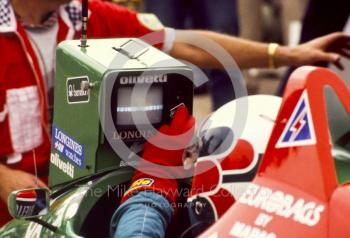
x,y
105,7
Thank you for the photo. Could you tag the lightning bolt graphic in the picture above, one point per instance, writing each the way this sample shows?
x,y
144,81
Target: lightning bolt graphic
x,y
298,125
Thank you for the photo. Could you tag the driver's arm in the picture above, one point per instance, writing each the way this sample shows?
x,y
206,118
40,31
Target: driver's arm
x,y
147,206
254,54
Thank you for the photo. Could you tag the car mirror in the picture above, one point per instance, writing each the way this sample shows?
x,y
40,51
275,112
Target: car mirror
x,y
28,203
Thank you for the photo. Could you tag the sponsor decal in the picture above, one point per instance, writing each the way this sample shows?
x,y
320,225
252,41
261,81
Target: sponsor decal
x,y
78,90
133,134
281,204
299,130
142,182
273,205
242,230
25,203
65,167
68,147
144,79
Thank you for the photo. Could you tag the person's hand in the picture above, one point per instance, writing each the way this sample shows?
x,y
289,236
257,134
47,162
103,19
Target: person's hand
x,y
166,149
327,48
11,180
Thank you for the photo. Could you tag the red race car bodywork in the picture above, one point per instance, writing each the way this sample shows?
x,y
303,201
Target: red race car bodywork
x,y
295,192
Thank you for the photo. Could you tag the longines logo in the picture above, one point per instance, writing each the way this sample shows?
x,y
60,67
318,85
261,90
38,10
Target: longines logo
x,y
132,135
161,78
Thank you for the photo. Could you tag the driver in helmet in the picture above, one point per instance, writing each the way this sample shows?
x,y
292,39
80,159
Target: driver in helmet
x,y
222,146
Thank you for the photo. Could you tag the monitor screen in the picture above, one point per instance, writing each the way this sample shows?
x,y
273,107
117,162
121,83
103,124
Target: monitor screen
x,y
152,105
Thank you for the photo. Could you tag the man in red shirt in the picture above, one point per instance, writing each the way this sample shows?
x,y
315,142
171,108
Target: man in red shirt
x,y
29,33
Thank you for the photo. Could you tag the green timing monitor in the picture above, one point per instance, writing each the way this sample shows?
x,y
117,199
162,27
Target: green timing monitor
x,y
111,91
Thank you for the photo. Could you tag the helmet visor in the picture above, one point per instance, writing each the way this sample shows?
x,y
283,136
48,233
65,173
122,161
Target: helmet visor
x,y
216,141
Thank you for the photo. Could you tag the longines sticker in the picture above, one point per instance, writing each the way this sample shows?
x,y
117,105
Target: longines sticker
x,y
68,147
78,90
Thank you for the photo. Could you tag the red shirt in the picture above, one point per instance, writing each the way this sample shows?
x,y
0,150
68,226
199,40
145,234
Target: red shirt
x,y
23,99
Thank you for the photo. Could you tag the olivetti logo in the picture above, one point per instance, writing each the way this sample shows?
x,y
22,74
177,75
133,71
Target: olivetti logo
x,y
78,90
149,79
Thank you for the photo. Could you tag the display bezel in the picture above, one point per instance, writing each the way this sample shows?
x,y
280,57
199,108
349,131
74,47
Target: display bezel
x,y
177,89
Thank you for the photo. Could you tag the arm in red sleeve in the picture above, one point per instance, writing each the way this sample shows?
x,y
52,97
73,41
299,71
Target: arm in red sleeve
x,y
163,180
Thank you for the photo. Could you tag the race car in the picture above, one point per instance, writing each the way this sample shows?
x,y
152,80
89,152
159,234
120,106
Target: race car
x,y
294,191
